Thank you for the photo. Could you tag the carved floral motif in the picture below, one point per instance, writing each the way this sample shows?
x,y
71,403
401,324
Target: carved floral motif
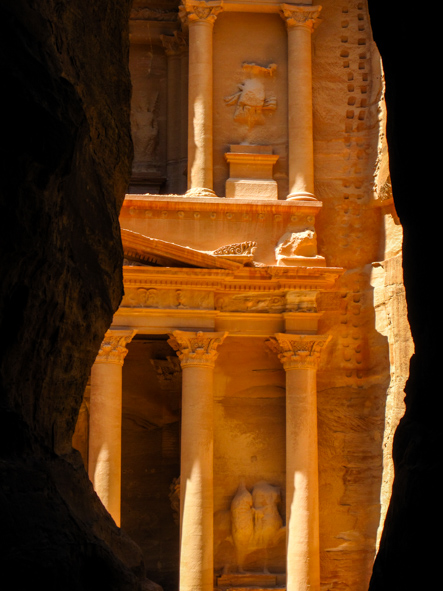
x,y
113,348
199,10
300,16
298,351
240,248
196,348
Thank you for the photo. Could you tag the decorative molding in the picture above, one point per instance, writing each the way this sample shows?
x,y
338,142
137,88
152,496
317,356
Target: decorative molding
x,y
196,348
113,348
298,351
192,11
300,16
185,299
239,248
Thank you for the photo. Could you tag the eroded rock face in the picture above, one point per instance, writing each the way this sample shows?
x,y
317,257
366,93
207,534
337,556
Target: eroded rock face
x,y
408,557
66,166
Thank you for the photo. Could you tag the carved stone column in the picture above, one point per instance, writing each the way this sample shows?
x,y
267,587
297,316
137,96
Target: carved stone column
x,y
173,50
300,22
197,354
299,355
106,420
200,17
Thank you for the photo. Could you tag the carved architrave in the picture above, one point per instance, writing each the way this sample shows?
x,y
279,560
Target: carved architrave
x,y
196,348
113,348
192,11
302,301
300,16
298,351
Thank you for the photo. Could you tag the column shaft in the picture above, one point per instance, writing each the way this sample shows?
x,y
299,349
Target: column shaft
x,y
105,435
197,354
196,480
200,106
303,558
200,17
300,21
299,355
105,420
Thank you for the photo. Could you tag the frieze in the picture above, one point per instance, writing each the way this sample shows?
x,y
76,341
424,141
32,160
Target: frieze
x,y
143,297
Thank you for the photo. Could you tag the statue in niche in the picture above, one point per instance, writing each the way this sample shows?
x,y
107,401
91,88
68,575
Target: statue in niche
x,y
255,521
145,129
251,100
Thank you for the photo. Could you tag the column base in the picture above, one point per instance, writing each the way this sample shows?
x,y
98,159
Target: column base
x,y
301,196
200,192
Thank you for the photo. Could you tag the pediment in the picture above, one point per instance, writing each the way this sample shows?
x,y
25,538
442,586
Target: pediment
x,y
154,252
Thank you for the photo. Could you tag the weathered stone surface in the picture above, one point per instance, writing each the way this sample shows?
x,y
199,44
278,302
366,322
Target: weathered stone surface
x,y
66,166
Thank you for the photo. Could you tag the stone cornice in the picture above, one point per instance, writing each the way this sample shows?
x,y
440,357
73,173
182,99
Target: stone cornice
x,y
152,250
196,348
165,205
300,16
113,348
298,351
197,11
250,279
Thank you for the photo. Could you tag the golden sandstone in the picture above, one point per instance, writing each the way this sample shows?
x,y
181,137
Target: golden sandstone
x,y
262,250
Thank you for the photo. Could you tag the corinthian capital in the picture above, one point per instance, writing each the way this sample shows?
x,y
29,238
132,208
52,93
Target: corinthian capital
x,y
300,16
298,351
192,11
196,348
113,348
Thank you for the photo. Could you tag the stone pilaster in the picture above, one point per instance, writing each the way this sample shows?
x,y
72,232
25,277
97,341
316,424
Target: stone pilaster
x,y
197,353
200,17
299,355
104,466
300,21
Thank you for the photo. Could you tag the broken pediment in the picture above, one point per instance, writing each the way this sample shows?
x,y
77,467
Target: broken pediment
x,y
160,253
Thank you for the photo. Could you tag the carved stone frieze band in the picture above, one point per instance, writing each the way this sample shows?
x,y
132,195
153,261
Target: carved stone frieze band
x,y
113,348
298,351
240,248
300,16
192,11
196,348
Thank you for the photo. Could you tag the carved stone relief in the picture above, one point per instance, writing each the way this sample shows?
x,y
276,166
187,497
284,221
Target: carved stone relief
x,y
266,303
255,521
142,297
145,129
168,372
251,101
293,244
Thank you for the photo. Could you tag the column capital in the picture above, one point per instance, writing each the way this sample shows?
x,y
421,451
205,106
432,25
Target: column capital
x,y
298,351
300,16
113,348
172,44
196,348
193,11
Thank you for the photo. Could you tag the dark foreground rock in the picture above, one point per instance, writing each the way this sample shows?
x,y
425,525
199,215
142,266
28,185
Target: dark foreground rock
x,y
66,158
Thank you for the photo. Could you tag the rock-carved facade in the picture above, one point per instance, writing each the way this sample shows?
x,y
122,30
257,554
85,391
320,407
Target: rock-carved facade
x,y
249,427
